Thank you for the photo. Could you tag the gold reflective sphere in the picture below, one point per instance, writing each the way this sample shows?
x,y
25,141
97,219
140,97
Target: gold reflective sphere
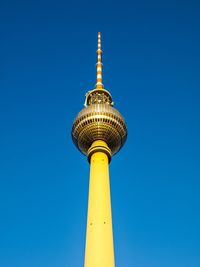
x,y
99,122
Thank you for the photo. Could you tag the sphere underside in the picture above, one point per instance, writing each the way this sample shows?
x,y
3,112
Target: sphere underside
x,y
99,122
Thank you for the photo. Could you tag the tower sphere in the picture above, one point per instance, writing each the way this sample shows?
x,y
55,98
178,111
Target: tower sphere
x,y
99,121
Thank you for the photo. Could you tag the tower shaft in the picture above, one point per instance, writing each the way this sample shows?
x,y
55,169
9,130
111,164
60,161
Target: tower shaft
x,y
99,250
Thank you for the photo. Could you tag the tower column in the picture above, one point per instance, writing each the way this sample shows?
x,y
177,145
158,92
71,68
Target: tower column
x,y
99,251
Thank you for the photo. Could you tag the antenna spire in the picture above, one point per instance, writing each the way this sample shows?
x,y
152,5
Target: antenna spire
x,y
99,83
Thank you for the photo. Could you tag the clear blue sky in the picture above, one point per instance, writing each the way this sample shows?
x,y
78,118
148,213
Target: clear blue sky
x,y
151,56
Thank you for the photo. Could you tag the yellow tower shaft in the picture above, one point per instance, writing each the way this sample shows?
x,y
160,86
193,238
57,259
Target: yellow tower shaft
x,y
99,251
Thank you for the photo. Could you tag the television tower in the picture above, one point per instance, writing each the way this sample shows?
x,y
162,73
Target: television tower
x,y
99,131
